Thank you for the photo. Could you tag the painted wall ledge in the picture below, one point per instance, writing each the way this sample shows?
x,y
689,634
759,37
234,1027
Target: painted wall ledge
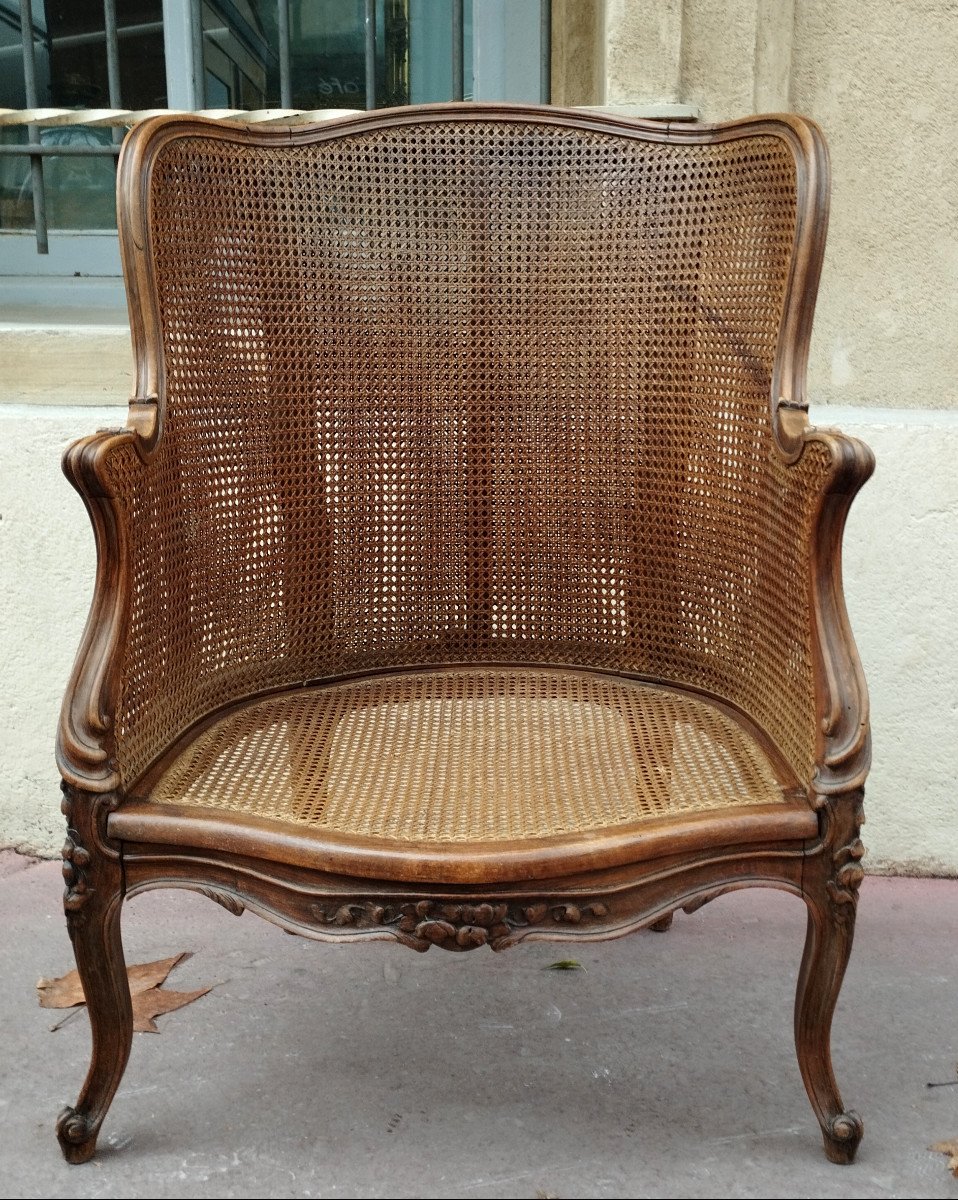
x,y
65,364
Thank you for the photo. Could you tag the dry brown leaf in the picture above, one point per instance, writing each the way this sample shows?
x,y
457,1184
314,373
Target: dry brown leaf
x,y
149,999
951,1149
67,991
144,976
155,1002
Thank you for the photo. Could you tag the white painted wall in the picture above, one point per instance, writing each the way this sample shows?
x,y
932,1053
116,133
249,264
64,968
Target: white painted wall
x,y
901,587
46,576
901,577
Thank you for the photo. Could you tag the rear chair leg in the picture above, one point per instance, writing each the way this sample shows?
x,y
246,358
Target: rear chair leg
x,y
832,899
92,901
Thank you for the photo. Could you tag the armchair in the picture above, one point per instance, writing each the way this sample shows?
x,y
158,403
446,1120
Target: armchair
x,y
469,572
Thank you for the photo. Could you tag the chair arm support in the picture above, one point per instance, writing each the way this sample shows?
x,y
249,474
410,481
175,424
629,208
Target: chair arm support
x,y
89,745
140,679
845,750
768,631
86,749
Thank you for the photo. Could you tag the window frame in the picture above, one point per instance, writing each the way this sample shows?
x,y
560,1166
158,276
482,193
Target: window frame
x,y
60,260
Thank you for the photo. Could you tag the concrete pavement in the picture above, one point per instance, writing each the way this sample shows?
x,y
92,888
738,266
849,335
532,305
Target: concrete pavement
x,y
664,1069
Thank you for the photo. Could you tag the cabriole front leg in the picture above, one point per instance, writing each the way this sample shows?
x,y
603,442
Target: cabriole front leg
x,y
92,900
831,895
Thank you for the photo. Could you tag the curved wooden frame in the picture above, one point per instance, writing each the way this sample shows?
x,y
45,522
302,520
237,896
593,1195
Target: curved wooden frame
x,y
115,850
788,402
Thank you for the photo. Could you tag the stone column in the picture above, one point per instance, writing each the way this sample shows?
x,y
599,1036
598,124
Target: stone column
x,y
643,51
578,52
725,58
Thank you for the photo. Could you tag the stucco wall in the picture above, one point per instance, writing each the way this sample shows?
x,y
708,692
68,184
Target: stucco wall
x,y
880,79
901,579
578,52
46,575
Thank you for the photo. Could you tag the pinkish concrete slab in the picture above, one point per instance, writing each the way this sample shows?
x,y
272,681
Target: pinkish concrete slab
x,y
665,1069
11,862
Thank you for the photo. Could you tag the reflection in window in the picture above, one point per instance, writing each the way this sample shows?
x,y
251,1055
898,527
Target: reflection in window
x,y
70,50
241,53
241,70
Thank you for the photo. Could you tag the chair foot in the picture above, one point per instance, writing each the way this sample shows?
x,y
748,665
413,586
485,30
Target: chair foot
x,y
93,900
76,1135
663,924
827,947
842,1137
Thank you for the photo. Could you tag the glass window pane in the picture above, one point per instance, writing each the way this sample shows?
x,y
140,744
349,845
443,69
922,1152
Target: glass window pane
x,y
241,69
430,51
76,45
80,192
241,53
71,58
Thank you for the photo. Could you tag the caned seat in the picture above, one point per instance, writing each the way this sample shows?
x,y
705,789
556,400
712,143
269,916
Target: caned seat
x,y
486,775
469,571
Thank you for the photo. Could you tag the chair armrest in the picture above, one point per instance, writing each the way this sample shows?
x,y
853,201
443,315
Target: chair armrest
x,y
163,646
829,701
747,604
86,746
845,751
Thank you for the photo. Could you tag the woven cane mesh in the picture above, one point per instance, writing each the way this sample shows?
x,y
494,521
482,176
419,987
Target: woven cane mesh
x,y
468,392
472,755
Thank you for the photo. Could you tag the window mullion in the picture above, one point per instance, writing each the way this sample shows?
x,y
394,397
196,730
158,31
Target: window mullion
x,y
181,66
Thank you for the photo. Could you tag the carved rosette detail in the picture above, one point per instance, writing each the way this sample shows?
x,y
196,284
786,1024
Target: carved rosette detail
x,y
455,926
847,871
79,849
76,859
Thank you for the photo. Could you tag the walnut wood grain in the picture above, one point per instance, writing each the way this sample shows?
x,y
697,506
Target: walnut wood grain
x,y
493,862
92,902
218,559
830,888
339,908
